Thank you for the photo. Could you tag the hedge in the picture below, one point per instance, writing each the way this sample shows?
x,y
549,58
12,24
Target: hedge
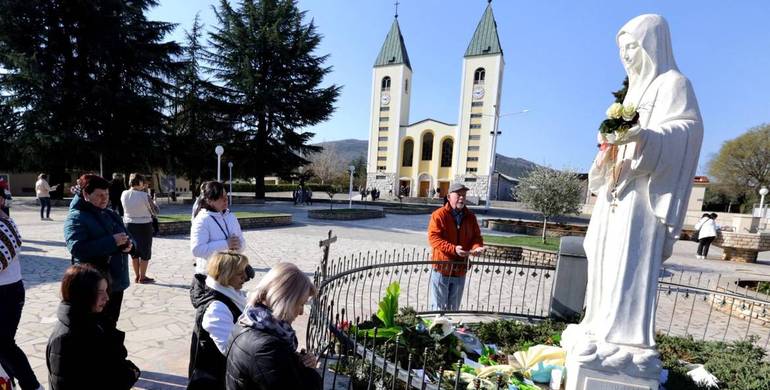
x,y
248,187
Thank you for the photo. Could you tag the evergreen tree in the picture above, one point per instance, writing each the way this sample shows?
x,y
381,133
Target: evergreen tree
x,y
263,53
200,117
88,79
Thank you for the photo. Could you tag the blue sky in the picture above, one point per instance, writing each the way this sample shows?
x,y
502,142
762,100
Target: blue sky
x,y
561,64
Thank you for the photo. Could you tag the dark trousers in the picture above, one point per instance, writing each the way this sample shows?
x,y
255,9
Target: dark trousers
x,y
703,245
111,310
45,204
12,358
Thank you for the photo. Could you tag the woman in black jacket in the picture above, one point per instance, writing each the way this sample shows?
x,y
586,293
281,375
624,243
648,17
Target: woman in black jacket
x,y
85,352
263,352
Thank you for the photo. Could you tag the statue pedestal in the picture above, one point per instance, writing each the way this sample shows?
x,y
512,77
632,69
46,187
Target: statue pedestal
x,y
598,365
580,377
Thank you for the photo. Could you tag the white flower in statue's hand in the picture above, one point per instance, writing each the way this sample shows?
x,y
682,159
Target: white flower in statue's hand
x,y
629,112
615,111
440,327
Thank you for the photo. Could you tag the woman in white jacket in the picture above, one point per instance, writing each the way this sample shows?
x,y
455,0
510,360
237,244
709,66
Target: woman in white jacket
x,y
214,227
707,231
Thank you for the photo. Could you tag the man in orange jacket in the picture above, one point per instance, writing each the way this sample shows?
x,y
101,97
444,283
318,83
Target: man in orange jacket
x,y
454,235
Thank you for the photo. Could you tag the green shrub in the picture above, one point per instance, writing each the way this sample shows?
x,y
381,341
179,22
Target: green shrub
x,y
248,187
512,336
738,365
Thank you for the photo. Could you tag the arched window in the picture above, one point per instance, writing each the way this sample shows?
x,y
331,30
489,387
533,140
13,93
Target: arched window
x,y
478,76
446,152
406,161
406,85
427,147
386,83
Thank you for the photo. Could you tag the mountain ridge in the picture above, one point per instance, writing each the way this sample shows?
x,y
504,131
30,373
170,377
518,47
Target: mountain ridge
x,y
350,149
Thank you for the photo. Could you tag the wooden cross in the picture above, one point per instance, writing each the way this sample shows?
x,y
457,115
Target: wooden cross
x,y
326,244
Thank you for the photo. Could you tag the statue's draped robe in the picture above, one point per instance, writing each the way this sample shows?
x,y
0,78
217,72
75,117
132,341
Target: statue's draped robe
x,y
628,241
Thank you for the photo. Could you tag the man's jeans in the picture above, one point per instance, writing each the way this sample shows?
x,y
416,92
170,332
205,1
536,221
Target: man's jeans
x,y
446,292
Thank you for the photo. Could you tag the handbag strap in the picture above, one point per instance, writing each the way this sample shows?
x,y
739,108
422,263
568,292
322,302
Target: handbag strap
x,y
149,208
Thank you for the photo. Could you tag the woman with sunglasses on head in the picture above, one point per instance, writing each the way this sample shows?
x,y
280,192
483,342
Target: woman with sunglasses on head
x,y
218,304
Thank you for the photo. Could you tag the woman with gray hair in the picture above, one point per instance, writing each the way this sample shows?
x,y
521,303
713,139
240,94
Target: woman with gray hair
x,y
263,352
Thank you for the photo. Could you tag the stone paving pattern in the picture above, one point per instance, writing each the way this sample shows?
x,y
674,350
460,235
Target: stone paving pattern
x,y
158,318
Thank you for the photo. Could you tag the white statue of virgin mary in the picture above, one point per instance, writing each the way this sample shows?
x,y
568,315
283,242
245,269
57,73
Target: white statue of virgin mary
x,y
641,203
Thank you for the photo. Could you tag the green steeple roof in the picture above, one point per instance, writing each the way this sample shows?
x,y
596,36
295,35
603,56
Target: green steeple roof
x,y
485,40
393,51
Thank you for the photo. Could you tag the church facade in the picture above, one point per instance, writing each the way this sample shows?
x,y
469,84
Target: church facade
x,y
421,158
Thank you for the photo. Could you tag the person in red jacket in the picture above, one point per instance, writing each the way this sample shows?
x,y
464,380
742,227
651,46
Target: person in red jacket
x,y
454,235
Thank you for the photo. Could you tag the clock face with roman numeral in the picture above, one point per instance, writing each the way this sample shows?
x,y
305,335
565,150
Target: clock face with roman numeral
x,y
478,92
385,99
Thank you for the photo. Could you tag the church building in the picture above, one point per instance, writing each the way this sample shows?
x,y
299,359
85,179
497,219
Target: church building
x,y
421,158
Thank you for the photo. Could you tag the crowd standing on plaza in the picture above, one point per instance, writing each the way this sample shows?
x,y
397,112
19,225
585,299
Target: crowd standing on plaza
x,y
237,342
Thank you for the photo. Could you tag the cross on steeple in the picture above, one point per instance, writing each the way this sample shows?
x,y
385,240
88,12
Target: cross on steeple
x,y
396,4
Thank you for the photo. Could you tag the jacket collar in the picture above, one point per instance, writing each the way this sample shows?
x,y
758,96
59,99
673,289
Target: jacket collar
x,y
449,208
69,315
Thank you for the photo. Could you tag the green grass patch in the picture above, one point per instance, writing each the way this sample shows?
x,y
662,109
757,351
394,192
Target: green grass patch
x,y
239,214
536,242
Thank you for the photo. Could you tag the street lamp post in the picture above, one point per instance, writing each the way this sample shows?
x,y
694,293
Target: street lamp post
x,y
762,192
492,156
350,187
219,150
230,165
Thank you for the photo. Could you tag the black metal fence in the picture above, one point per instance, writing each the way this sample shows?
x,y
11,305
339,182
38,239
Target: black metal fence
x,y
712,307
495,286
703,306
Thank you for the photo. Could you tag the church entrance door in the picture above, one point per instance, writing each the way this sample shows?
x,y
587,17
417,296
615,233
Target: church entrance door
x,y
404,188
443,188
424,188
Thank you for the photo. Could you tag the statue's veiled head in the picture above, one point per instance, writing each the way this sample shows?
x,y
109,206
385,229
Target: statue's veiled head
x,y
651,34
645,51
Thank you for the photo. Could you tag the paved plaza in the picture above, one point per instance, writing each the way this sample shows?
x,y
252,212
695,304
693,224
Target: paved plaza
x,y
158,318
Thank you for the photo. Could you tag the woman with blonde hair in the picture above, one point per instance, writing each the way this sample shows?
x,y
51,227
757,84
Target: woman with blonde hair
x,y
218,303
263,352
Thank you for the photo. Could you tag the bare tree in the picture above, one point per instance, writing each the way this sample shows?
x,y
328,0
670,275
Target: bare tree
x,y
327,165
551,193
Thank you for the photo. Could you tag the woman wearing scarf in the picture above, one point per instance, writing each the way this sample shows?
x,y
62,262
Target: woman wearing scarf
x,y
218,303
263,353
